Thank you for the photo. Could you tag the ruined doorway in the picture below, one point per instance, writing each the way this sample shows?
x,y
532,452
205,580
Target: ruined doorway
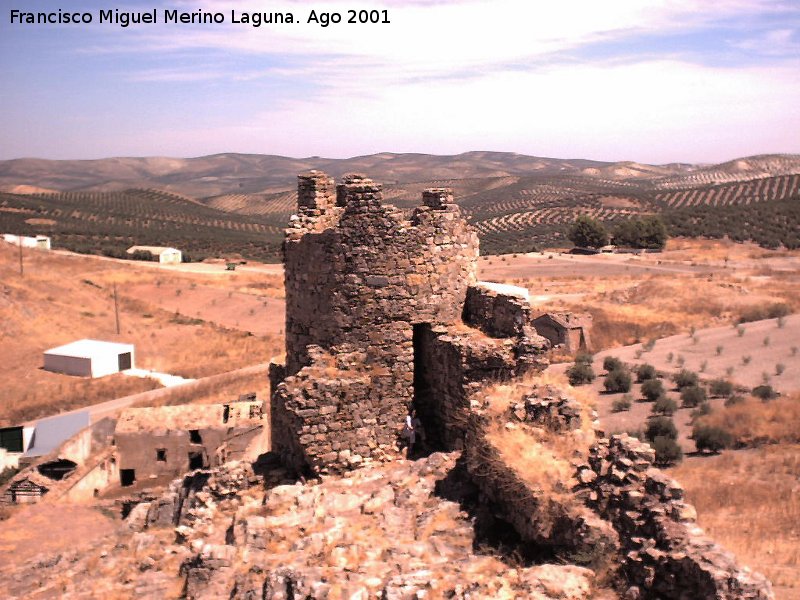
x,y
127,477
196,461
424,401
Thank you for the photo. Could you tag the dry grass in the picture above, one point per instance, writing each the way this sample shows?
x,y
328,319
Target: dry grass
x,y
222,388
64,298
754,422
749,501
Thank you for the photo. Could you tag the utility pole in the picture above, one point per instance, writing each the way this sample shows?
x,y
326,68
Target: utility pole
x,y
116,307
21,270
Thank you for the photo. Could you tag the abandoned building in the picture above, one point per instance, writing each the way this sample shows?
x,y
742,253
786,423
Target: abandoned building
x,y
567,331
165,442
385,313
89,358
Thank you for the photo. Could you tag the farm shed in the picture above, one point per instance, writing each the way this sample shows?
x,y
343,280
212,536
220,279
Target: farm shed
x,y
567,330
89,358
166,256
42,242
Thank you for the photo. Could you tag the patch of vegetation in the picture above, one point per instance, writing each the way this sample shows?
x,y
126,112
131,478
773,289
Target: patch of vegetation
x,y
685,378
622,404
664,405
580,374
645,372
693,396
652,390
618,381
645,232
711,438
587,232
721,388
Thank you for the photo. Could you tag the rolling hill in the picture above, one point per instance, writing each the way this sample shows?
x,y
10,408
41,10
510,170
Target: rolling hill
x,y
236,203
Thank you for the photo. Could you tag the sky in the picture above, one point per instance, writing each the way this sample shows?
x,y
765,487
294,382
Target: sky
x,y
652,81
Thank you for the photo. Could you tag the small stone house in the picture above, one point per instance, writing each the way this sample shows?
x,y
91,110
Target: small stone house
x,y
167,441
565,330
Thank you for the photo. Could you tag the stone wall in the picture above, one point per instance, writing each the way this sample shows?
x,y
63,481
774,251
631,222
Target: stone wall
x,y
620,508
371,298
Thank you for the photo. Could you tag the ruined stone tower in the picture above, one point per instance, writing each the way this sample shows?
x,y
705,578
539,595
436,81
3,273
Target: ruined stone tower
x,y
370,297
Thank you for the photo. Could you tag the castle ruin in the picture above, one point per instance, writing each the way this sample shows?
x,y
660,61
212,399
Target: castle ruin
x,y
383,313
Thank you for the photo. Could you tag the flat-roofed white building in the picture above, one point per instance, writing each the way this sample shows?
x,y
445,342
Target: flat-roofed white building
x,y
89,358
166,256
42,242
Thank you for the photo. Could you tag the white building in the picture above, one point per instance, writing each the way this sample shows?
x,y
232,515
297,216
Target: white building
x,y
89,358
166,256
42,242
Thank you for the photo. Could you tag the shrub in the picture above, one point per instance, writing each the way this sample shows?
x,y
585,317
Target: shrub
x,y
670,356
701,411
580,374
769,311
746,359
720,348
645,372
721,388
780,368
618,381
622,404
766,341
734,400
612,363
692,396
703,366
652,389
740,331
711,438
660,427
764,392
685,378
649,345
665,406
668,452
680,361
781,322
584,358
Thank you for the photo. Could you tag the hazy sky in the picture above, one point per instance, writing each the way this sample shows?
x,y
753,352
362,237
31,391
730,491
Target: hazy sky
x,y
647,80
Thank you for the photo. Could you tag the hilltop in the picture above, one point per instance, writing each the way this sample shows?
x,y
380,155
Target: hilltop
x,y
238,203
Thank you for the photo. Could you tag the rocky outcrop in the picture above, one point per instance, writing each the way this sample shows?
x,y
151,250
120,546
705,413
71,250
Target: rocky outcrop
x,y
665,554
375,532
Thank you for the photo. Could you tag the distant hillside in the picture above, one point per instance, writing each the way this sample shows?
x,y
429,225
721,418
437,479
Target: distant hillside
x,y
229,203
110,222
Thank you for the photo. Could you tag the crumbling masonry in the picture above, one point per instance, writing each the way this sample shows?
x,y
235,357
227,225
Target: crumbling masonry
x,y
376,321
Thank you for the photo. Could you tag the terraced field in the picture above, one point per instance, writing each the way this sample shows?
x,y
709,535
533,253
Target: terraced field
x,y
516,203
110,222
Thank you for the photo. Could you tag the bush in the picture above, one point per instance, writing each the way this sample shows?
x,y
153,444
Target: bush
x,y
645,372
584,358
587,232
665,406
701,411
685,378
711,438
612,363
734,400
618,381
693,396
647,232
721,388
661,427
668,452
622,404
764,392
652,389
580,374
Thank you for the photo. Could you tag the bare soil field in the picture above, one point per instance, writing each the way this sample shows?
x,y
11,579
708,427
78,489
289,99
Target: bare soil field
x,y
749,354
698,284
62,298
